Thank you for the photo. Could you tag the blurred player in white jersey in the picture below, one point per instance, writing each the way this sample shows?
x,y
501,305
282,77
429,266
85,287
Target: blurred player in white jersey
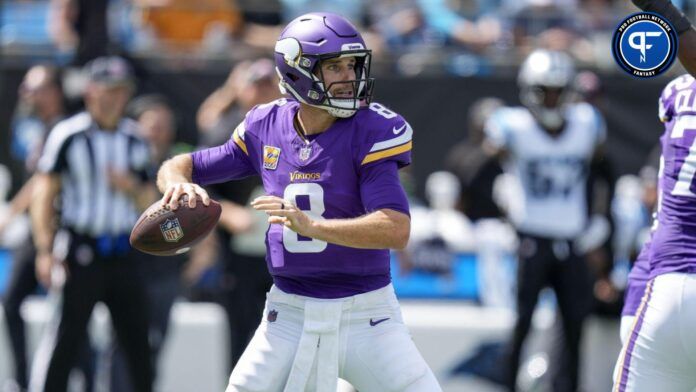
x,y
659,353
547,146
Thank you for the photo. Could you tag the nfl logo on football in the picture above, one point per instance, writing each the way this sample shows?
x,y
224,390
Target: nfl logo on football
x,y
171,230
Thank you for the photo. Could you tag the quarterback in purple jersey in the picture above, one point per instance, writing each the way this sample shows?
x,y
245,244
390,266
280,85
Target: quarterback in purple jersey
x,y
329,160
660,353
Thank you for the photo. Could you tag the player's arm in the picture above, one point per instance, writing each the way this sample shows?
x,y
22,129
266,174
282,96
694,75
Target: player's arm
x,y
687,50
497,138
682,25
174,179
43,215
499,152
386,225
184,174
381,229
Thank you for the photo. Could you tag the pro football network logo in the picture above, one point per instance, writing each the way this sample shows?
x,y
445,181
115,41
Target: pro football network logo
x,y
270,157
171,230
644,44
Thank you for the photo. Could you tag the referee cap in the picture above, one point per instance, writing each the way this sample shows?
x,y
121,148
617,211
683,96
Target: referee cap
x,y
111,70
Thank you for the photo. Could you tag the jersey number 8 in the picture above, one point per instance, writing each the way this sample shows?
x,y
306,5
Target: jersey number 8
x,y
315,193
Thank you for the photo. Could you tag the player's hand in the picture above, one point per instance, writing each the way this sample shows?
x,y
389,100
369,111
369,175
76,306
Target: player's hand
x,y
285,213
176,191
605,291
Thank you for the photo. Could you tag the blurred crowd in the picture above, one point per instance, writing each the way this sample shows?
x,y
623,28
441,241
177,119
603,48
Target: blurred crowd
x,y
462,37
465,204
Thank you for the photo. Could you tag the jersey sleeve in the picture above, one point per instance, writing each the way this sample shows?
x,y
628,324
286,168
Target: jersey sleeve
x,y
387,140
496,131
380,187
666,101
226,162
665,109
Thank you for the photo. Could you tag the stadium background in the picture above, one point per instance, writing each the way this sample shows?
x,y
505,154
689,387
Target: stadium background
x,y
432,82
631,117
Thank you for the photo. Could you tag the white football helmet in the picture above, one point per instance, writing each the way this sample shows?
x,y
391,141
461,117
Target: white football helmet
x,y
442,190
544,72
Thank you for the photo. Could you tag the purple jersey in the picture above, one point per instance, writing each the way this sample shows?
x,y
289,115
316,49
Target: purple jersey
x,y
673,246
340,173
637,280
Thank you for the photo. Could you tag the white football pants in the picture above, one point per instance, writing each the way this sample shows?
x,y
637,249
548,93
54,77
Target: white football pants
x,y
305,344
659,353
625,329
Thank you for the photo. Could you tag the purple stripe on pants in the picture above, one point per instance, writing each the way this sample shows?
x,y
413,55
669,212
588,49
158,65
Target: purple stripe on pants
x,y
634,336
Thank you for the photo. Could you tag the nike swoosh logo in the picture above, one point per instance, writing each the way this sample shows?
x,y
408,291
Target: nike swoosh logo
x,y
373,323
398,130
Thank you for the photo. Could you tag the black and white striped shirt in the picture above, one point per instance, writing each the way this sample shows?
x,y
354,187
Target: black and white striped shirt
x,y
83,155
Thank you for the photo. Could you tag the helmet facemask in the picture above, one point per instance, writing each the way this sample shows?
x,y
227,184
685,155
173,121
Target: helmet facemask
x,y
360,88
318,94
546,103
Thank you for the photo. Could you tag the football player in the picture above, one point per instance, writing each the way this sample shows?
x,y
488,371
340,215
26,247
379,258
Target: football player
x,y
659,353
328,158
547,147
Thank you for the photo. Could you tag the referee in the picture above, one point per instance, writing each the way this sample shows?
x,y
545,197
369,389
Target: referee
x,y
96,165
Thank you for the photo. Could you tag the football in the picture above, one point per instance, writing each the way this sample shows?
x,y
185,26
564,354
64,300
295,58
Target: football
x,y
162,232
